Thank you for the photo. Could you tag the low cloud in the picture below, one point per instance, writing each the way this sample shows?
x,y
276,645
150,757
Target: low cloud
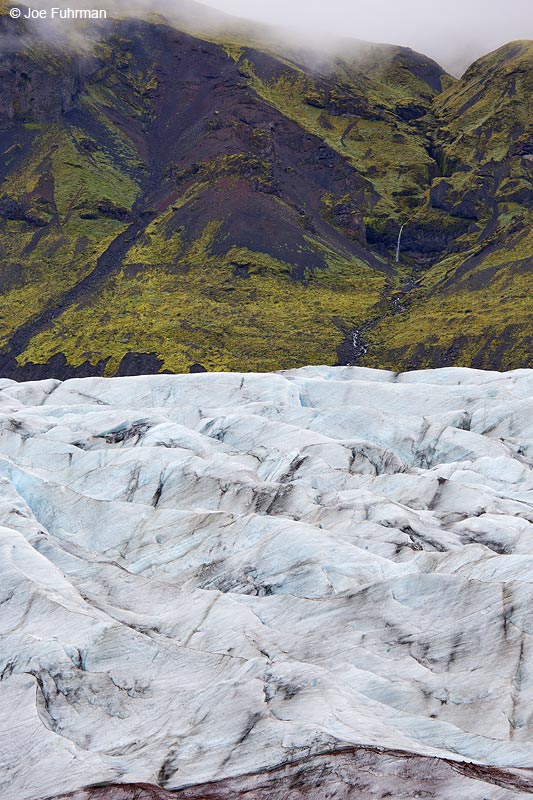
x,y
453,32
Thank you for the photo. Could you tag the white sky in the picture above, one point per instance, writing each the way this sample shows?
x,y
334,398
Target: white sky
x,y
453,32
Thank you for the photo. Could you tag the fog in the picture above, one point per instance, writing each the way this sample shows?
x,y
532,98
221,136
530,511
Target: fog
x,y
453,32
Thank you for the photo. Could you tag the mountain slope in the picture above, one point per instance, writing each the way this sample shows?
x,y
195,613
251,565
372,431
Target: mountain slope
x,y
267,587
169,200
474,307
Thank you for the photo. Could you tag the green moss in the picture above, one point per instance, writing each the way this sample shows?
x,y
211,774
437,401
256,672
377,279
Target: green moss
x,y
234,51
56,264
387,152
479,316
159,245
489,102
80,180
206,313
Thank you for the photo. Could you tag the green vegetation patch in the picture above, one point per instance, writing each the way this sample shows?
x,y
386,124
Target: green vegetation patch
x,y
239,312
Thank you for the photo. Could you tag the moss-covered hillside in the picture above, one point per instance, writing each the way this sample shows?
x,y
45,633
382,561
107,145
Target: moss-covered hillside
x,y
171,201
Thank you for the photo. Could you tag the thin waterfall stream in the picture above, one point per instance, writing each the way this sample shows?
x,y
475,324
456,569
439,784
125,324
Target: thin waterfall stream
x,y
399,243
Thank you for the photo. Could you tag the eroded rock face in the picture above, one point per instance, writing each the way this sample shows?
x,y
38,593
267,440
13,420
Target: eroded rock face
x,y
311,584
36,86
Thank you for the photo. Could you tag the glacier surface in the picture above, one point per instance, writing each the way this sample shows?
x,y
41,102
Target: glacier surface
x,y
310,584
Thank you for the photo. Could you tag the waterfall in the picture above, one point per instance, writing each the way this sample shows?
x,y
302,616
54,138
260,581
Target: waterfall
x,y
399,242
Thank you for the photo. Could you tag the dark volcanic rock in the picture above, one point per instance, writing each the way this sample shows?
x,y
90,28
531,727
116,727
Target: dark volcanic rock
x,y
140,364
38,89
55,367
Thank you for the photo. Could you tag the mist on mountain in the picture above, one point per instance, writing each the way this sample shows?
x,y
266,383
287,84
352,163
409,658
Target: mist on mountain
x,y
454,34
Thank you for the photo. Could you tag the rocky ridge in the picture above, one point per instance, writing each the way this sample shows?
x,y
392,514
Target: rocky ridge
x,y
310,584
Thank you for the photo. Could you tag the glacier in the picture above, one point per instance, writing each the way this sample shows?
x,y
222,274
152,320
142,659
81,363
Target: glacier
x,y
310,584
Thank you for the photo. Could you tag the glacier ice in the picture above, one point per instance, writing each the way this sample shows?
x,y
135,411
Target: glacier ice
x,y
309,584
